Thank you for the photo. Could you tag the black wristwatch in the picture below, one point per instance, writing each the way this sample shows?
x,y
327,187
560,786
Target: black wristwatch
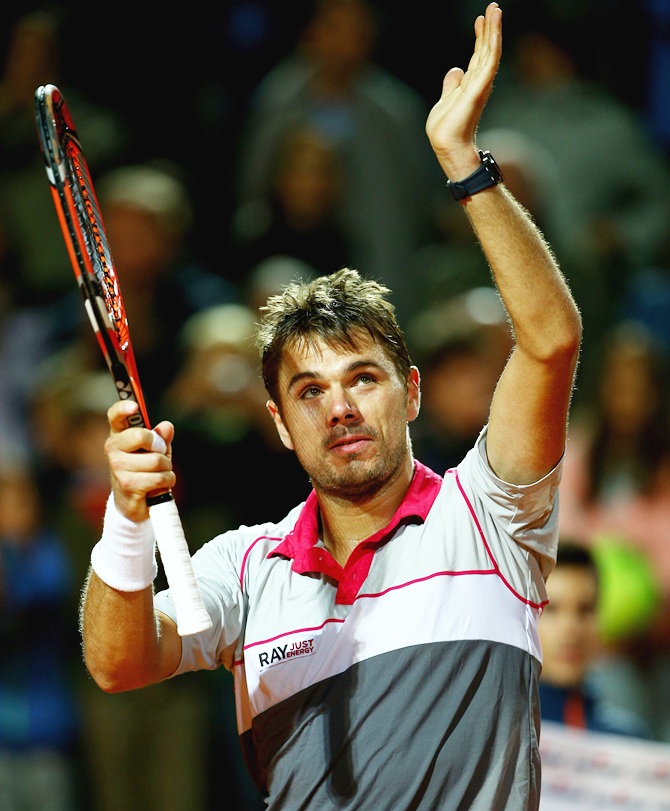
x,y
487,175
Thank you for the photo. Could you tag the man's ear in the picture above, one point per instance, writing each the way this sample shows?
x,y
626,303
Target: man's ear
x,y
413,394
279,424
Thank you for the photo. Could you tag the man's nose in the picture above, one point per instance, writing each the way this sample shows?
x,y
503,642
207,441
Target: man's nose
x,y
342,407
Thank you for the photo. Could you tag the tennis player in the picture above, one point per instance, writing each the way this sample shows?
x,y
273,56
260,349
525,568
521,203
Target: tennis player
x,y
383,635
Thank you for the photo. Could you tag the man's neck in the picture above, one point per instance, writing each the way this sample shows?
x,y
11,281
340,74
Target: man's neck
x,y
345,523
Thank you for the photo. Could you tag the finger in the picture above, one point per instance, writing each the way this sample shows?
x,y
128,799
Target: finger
x,y
119,413
451,81
138,473
492,37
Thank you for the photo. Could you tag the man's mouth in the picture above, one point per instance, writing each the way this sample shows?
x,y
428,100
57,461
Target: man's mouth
x,y
353,443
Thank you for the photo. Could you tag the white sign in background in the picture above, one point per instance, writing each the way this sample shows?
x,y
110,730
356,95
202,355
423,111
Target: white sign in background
x,y
589,771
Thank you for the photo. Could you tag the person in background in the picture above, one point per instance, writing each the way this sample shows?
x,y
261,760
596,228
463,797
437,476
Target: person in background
x,y
612,201
449,263
33,57
39,714
616,482
148,215
218,405
613,210
382,635
143,751
617,466
571,644
461,347
300,220
330,83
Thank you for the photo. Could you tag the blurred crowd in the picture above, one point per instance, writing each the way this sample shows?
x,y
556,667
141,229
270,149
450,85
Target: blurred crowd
x,y
253,148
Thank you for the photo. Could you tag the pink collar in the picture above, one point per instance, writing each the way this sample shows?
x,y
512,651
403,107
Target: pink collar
x,y
300,543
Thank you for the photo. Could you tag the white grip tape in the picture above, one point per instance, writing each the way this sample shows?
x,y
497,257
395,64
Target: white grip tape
x,y
158,443
192,615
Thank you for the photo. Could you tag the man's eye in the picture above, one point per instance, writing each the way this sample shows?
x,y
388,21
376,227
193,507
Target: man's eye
x,y
310,392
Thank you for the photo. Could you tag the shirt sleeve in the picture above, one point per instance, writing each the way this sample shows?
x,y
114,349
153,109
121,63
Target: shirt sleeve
x,y
217,567
528,513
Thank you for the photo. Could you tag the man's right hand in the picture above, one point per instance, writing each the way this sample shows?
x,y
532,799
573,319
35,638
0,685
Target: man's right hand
x,y
139,459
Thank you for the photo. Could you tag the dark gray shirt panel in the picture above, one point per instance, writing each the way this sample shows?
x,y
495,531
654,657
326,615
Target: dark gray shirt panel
x,y
425,727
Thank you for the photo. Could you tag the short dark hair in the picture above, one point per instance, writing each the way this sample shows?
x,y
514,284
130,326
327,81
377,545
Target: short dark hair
x,y
572,553
336,308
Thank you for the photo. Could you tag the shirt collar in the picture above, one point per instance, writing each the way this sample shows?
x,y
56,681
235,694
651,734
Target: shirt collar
x,y
416,503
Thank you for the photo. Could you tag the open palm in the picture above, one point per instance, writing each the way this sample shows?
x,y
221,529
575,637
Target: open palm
x,y
453,121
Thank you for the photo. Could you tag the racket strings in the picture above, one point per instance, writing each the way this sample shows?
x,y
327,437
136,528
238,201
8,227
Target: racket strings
x,y
94,232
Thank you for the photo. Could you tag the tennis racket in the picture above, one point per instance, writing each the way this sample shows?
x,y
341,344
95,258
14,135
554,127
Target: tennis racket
x,y
86,240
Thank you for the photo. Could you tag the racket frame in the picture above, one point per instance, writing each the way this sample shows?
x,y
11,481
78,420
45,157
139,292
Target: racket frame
x,y
86,240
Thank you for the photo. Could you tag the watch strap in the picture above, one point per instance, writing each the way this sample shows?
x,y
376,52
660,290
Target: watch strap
x,y
485,176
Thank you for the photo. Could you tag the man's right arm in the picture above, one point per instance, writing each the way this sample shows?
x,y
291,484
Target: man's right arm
x,y
127,644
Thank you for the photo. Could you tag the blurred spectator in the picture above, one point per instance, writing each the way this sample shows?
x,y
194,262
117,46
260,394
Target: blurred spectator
x,y
141,751
617,467
614,180
33,57
300,217
616,482
25,341
331,83
218,399
39,715
450,263
461,348
655,102
571,644
148,215
270,276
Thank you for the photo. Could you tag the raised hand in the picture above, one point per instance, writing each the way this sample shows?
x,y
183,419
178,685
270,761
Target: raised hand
x,y
452,123
135,475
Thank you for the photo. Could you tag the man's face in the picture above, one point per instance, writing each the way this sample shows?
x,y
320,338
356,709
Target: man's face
x,y
568,627
345,412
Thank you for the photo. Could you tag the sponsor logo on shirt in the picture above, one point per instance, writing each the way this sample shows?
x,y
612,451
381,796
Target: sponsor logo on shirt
x,y
279,653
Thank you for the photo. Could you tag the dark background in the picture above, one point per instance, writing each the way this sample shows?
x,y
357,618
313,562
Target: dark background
x,y
183,80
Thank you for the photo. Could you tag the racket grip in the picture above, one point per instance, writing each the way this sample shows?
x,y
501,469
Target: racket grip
x,y
192,615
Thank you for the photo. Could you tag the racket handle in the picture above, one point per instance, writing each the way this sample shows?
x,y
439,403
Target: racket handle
x,y
192,615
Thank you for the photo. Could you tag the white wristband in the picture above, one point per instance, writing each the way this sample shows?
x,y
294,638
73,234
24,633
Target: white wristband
x,y
125,555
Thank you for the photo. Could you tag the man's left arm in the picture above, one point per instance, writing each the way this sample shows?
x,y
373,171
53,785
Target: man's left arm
x,y
528,418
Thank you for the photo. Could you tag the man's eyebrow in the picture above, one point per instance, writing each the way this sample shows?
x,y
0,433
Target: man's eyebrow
x,y
308,374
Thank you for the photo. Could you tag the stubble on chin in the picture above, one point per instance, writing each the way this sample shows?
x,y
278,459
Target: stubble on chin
x,y
359,479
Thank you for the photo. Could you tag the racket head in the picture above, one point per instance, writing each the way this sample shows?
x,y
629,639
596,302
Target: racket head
x,y
88,247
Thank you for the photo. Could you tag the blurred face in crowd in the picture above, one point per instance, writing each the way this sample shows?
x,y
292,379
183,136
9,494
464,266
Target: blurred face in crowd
x,y
307,180
568,627
341,38
629,387
19,507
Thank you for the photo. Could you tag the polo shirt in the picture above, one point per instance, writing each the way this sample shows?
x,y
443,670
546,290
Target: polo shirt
x,y
407,679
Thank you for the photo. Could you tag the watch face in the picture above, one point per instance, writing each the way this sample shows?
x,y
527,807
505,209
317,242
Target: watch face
x,y
491,166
